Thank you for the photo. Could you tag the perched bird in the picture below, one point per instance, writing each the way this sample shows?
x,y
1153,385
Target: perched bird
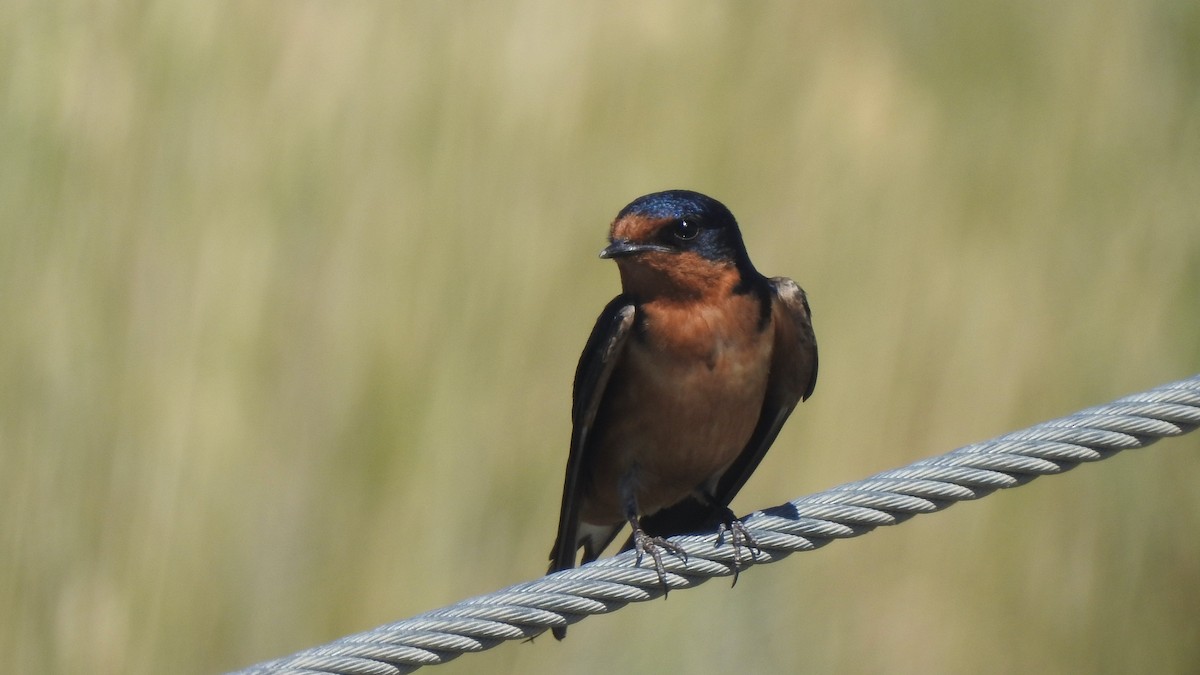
x,y
684,383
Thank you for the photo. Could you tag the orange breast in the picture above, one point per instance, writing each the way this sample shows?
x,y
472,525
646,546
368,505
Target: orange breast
x,y
682,403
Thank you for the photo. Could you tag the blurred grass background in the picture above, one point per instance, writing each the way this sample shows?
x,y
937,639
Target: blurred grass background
x,y
292,293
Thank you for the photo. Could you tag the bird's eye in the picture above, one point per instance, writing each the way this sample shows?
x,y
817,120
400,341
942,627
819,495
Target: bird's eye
x,y
685,230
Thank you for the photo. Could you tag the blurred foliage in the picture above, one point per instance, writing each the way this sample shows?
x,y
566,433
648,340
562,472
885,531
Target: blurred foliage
x,y
292,292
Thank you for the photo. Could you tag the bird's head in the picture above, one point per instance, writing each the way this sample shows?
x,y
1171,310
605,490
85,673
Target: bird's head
x,y
677,243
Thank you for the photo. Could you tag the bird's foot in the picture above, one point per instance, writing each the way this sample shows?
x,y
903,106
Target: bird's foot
x,y
644,543
739,538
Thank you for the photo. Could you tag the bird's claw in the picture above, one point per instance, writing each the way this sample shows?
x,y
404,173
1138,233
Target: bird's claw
x,y
739,538
644,543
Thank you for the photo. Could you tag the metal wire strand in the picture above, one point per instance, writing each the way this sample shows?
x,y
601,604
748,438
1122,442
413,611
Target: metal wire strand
x,y
528,609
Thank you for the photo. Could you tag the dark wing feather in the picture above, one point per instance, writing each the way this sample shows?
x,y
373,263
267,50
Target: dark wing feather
x,y
792,379
600,355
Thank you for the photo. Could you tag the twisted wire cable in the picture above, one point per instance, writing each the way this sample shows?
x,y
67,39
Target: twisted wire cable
x,y
528,609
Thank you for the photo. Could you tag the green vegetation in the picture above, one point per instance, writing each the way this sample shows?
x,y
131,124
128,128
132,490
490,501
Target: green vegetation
x,y
291,295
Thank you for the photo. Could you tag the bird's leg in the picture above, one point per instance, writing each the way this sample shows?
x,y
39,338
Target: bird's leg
x,y
644,543
739,537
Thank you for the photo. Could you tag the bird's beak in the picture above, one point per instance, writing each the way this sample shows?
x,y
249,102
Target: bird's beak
x,y
623,247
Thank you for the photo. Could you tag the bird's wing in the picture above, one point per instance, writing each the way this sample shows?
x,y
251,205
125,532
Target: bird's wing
x,y
600,355
792,379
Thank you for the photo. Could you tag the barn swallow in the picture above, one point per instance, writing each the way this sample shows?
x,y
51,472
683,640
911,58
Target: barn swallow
x,y
684,383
